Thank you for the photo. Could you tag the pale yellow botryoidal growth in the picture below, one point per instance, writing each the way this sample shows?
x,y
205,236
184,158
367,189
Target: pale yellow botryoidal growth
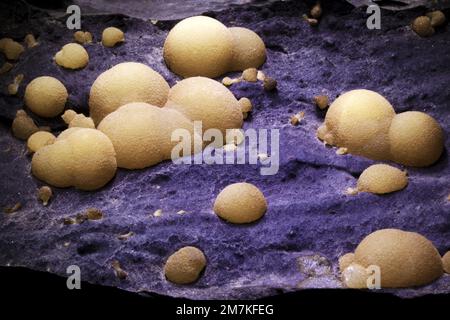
x,y
185,265
13,87
203,46
249,50
199,46
6,67
416,139
79,157
72,56
11,49
23,126
46,96
365,123
405,259
40,139
240,203
141,133
359,120
73,119
250,75
437,18
381,179
125,83
204,99
246,106
82,37
321,101
446,262
346,260
112,36
30,40
45,193
355,276
422,26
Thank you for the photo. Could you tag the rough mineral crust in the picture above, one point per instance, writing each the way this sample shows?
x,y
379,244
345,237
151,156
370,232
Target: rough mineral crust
x,y
310,221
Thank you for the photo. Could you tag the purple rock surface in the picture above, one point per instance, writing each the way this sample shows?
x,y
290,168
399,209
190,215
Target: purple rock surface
x,y
310,221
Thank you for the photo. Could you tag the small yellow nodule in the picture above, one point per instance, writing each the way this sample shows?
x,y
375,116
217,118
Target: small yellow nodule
x,y
40,139
82,37
72,56
46,96
446,262
185,265
11,49
23,126
381,179
240,203
422,26
112,36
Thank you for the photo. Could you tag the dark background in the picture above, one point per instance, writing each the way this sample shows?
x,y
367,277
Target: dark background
x,y
47,294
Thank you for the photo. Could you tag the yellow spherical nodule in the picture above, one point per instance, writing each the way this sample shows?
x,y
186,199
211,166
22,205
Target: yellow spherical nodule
x,y
359,120
355,276
72,56
405,259
240,203
422,26
381,179
40,139
199,46
112,36
23,126
185,265
124,83
11,48
46,96
249,51
79,157
141,133
346,260
416,139
206,100
446,262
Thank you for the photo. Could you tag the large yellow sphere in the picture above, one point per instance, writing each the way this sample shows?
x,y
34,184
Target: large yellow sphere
x,y
141,133
249,50
405,259
80,157
46,96
359,120
185,265
416,139
125,83
381,179
207,100
240,203
199,46
72,56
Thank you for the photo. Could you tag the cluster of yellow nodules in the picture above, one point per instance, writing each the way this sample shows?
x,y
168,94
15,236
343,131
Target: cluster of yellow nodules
x,y
134,106
135,111
403,259
203,46
80,157
365,123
